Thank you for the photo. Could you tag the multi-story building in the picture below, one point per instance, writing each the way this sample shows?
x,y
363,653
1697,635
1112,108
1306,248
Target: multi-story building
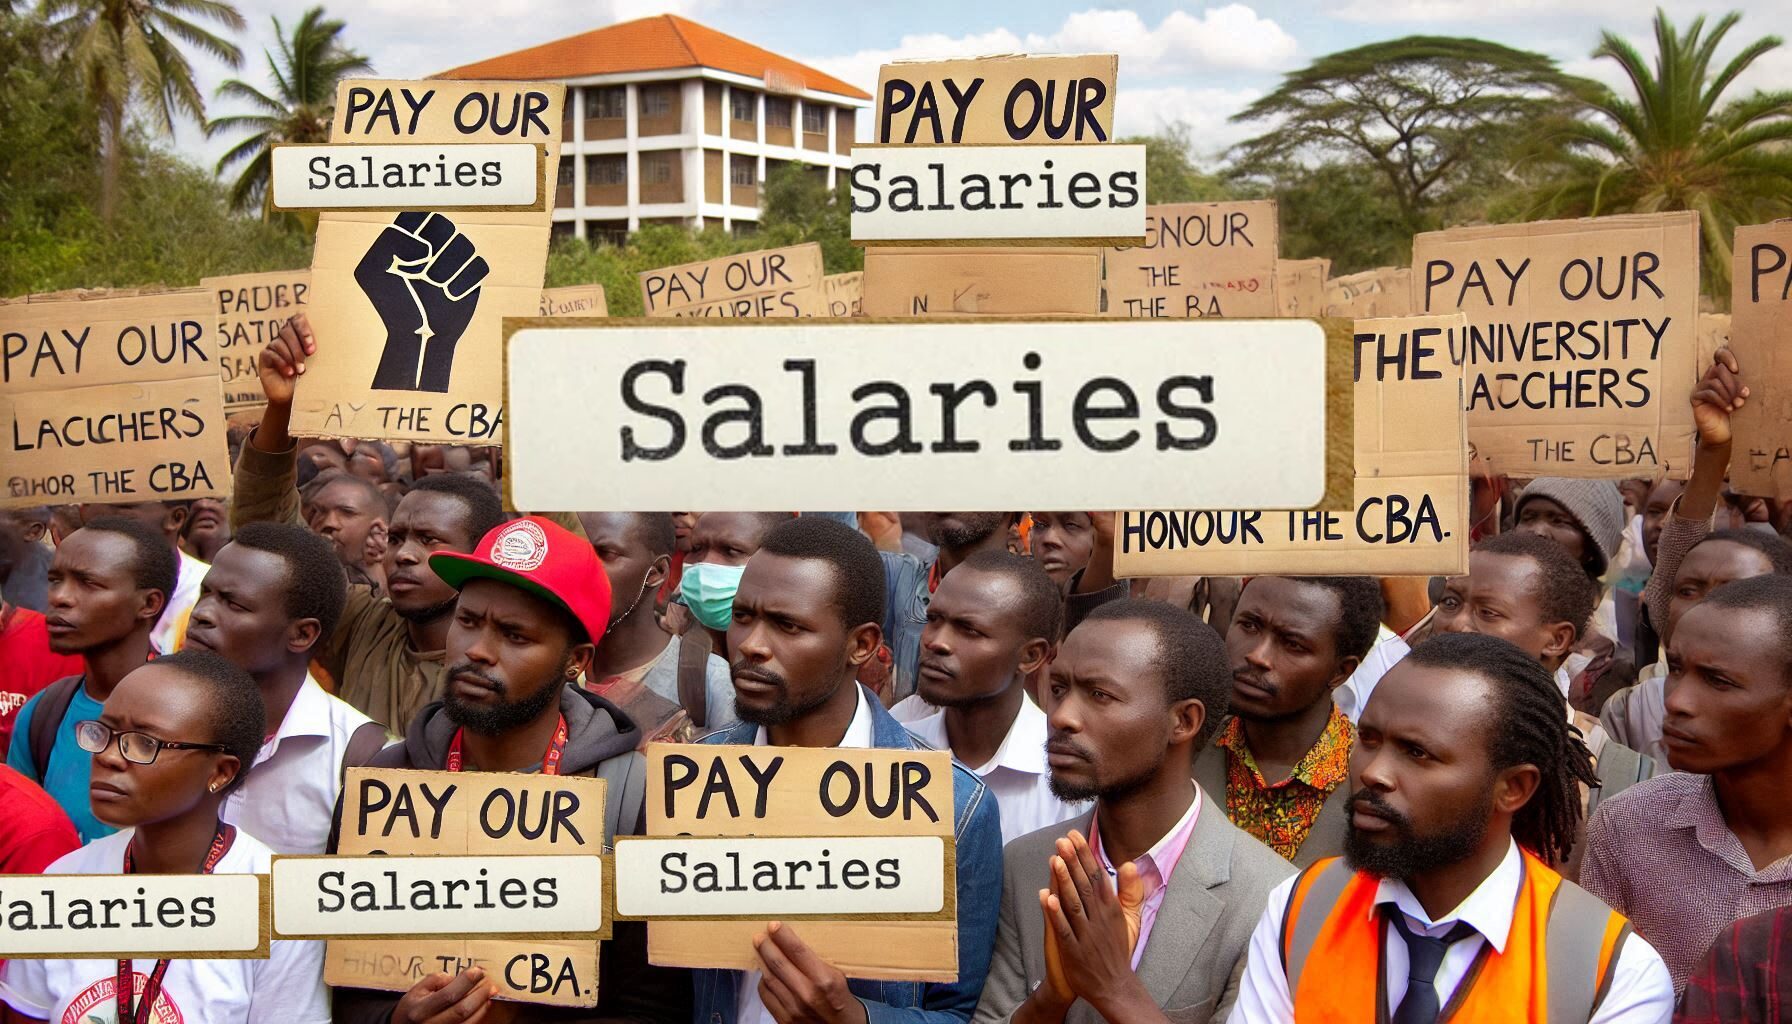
x,y
668,121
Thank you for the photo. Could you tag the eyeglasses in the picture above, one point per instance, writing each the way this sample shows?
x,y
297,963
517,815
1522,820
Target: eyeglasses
x,y
137,747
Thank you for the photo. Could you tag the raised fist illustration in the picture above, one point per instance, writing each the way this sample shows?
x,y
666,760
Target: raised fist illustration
x,y
422,276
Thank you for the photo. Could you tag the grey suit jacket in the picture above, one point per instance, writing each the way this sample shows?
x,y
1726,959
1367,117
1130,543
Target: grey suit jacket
x,y
1197,946
1325,839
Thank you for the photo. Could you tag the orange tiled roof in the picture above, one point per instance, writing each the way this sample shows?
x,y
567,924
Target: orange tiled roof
x,y
662,42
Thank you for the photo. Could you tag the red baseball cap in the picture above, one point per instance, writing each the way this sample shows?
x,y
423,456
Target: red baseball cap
x,y
543,558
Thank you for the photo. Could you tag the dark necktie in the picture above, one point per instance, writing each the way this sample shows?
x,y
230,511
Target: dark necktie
x,y
1424,955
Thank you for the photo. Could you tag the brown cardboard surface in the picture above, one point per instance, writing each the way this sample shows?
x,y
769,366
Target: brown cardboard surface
x,y
763,284
110,419
458,399
1300,286
1601,397
907,282
1761,308
1199,259
574,300
844,294
1410,514
461,827
918,102
1714,333
1383,292
251,310
883,950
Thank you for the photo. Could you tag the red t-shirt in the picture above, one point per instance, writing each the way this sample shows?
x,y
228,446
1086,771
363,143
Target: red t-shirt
x,y
27,664
34,831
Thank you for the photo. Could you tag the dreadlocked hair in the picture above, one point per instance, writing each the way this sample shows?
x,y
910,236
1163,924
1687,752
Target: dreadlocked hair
x,y
1528,724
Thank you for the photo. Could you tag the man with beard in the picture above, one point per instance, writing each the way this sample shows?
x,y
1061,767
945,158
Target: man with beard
x,y
1467,782
385,654
1148,919
1293,640
533,606
109,585
992,624
805,619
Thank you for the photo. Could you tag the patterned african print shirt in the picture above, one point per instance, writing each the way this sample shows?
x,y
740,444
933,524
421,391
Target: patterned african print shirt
x,y
1282,814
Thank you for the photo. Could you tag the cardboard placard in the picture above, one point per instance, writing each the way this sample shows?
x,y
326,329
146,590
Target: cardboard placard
x,y
123,917
408,307
112,399
251,310
764,284
844,294
1411,511
785,878
1300,286
1371,294
398,812
407,176
514,896
1198,260
1714,333
981,282
1582,335
998,195
574,300
898,412
989,100
1761,312
705,790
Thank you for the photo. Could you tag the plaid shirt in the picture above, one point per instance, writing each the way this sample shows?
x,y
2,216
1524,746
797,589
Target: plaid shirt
x,y
1282,814
1739,980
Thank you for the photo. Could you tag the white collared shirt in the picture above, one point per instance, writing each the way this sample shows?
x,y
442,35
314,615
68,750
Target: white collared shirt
x,y
171,629
1353,694
749,1008
1641,991
1018,774
289,797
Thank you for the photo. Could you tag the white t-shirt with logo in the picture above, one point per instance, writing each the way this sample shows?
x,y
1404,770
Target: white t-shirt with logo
x,y
286,988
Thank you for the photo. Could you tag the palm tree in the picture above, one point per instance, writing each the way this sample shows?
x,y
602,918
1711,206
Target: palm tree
x,y
128,51
305,72
1677,144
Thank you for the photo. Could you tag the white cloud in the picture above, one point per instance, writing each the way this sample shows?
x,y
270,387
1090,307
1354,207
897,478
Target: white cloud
x,y
1204,111
1473,10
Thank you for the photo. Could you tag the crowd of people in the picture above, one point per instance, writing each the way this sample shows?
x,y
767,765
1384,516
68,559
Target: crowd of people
x,y
1551,789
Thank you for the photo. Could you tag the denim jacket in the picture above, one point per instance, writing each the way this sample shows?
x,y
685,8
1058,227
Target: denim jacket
x,y
977,827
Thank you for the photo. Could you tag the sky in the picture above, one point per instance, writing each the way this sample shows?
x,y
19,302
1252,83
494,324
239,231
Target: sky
x,y
1193,63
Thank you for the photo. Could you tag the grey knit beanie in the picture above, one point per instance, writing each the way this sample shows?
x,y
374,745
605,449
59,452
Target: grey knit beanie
x,y
1596,505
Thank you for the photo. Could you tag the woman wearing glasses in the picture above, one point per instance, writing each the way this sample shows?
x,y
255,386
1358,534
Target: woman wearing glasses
x,y
173,739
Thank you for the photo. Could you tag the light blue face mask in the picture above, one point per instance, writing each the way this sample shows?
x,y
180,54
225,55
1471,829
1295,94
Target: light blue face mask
x,y
708,590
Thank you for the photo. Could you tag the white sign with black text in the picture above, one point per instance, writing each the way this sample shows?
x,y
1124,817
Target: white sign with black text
x,y
381,896
776,877
79,917
407,176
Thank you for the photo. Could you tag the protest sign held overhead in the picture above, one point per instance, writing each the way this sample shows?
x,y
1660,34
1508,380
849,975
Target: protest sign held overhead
x,y
114,398
415,300
1300,286
1761,336
574,300
1581,340
1008,195
399,813
996,100
949,282
1198,260
1411,512
765,284
90,917
251,308
408,176
799,792
844,294
901,414
1371,294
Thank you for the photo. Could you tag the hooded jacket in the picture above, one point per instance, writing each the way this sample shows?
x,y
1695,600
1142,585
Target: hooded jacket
x,y
600,743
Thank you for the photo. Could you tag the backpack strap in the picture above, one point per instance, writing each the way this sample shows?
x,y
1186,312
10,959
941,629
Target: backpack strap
x,y
1310,902
46,719
366,742
1619,768
625,797
693,676
1581,946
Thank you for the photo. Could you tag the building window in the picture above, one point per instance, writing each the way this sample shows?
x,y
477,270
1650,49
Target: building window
x,y
777,112
656,100
606,103
742,171
656,168
565,173
741,104
815,119
606,170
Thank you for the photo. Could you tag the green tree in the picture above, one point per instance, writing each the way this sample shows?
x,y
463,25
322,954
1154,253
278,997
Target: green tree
x,y
1170,172
126,54
1429,115
796,206
1675,143
310,63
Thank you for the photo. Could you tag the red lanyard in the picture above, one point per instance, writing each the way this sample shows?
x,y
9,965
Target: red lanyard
x,y
221,841
550,761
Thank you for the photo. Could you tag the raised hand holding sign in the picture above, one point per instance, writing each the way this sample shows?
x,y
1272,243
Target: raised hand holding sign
x,y
422,276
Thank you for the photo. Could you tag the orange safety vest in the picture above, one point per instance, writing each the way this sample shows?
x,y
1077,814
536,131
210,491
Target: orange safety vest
x,y
1556,967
